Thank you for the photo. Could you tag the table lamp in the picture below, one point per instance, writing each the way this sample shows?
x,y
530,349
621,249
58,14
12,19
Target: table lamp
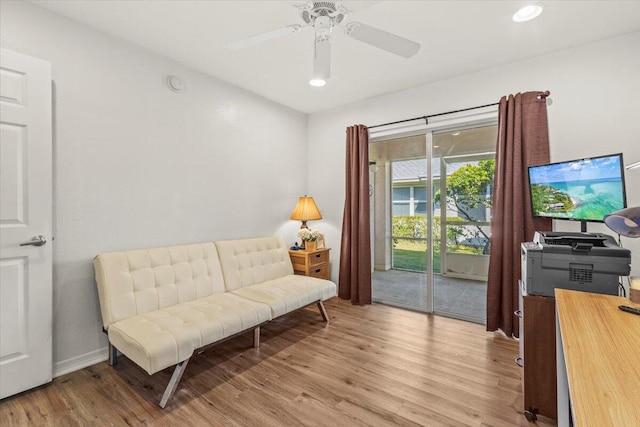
x,y
626,222
306,210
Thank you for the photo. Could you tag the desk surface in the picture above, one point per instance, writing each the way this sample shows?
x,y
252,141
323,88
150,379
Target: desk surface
x,y
602,353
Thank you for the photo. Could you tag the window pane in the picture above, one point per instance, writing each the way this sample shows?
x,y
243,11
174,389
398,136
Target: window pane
x,y
421,208
420,193
401,193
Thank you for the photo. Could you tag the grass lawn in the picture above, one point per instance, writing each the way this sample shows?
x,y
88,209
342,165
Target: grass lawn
x,y
412,255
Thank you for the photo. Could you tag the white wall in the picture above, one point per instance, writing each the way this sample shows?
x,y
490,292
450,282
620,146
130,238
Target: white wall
x,y
595,111
136,165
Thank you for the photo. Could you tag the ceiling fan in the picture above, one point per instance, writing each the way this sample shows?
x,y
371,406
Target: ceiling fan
x,y
324,17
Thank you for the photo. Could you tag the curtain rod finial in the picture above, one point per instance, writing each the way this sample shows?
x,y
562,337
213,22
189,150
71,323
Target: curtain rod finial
x,y
543,95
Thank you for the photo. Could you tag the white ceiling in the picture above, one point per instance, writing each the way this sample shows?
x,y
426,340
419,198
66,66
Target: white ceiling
x,y
457,37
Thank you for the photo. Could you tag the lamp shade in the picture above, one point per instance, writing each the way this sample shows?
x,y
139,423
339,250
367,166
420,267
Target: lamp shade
x,y
306,210
625,222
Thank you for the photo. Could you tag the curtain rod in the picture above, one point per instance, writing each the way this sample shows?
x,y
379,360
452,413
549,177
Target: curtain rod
x,y
433,115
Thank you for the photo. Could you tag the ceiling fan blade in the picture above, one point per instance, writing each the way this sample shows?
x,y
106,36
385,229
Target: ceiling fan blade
x,y
263,37
382,39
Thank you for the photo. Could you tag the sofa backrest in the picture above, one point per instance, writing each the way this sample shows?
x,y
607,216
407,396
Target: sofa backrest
x,y
140,281
250,261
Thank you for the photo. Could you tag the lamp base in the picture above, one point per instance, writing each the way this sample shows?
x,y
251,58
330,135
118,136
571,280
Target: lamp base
x,y
303,226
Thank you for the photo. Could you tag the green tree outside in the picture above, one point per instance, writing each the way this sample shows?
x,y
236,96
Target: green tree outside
x,y
467,189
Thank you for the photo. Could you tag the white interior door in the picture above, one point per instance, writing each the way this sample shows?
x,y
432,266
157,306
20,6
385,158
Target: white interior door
x,y
25,212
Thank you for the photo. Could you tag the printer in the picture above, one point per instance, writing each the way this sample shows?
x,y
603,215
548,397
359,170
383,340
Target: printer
x,y
589,262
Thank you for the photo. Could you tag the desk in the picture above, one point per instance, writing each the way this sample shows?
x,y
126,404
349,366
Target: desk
x,y
598,360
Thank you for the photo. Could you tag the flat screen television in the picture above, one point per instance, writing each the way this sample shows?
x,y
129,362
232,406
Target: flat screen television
x,y
578,190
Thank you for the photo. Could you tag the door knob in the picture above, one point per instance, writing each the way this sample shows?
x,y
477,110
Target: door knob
x,y
36,241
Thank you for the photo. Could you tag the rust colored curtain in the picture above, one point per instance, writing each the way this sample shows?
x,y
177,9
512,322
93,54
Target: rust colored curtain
x,y
523,140
354,282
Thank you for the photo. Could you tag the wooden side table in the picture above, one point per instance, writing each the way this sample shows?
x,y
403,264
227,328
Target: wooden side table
x,y
311,263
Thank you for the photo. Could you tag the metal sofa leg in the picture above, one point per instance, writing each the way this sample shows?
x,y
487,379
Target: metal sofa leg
x,y
113,355
256,337
323,312
173,382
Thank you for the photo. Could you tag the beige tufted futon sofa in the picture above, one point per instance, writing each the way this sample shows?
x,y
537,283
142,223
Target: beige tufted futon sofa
x,y
160,305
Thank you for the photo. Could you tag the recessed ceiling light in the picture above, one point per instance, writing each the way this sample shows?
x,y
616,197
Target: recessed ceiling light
x,y
455,133
528,12
317,82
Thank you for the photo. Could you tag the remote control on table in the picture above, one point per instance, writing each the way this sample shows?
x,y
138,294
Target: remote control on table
x,y
629,309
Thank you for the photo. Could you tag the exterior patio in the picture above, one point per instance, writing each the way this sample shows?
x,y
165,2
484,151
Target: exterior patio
x,y
461,298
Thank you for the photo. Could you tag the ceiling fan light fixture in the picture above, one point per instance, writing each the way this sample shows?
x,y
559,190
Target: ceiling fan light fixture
x,y
528,12
321,60
317,82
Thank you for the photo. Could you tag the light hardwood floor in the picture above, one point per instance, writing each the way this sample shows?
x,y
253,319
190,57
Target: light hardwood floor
x,y
373,365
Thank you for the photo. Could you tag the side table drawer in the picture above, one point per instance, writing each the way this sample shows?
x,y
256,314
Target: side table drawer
x,y
321,272
318,258
299,263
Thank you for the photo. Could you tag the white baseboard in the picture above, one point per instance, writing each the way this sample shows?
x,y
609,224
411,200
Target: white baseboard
x,y
80,362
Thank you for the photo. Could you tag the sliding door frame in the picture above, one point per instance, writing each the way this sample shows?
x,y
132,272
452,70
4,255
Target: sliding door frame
x,y
457,121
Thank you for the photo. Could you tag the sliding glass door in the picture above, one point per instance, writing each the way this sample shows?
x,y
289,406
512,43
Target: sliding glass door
x,y
465,187
431,210
400,239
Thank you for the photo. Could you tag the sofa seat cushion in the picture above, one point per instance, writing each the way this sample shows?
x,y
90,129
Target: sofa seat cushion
x,y
146,280
165,337
288,293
